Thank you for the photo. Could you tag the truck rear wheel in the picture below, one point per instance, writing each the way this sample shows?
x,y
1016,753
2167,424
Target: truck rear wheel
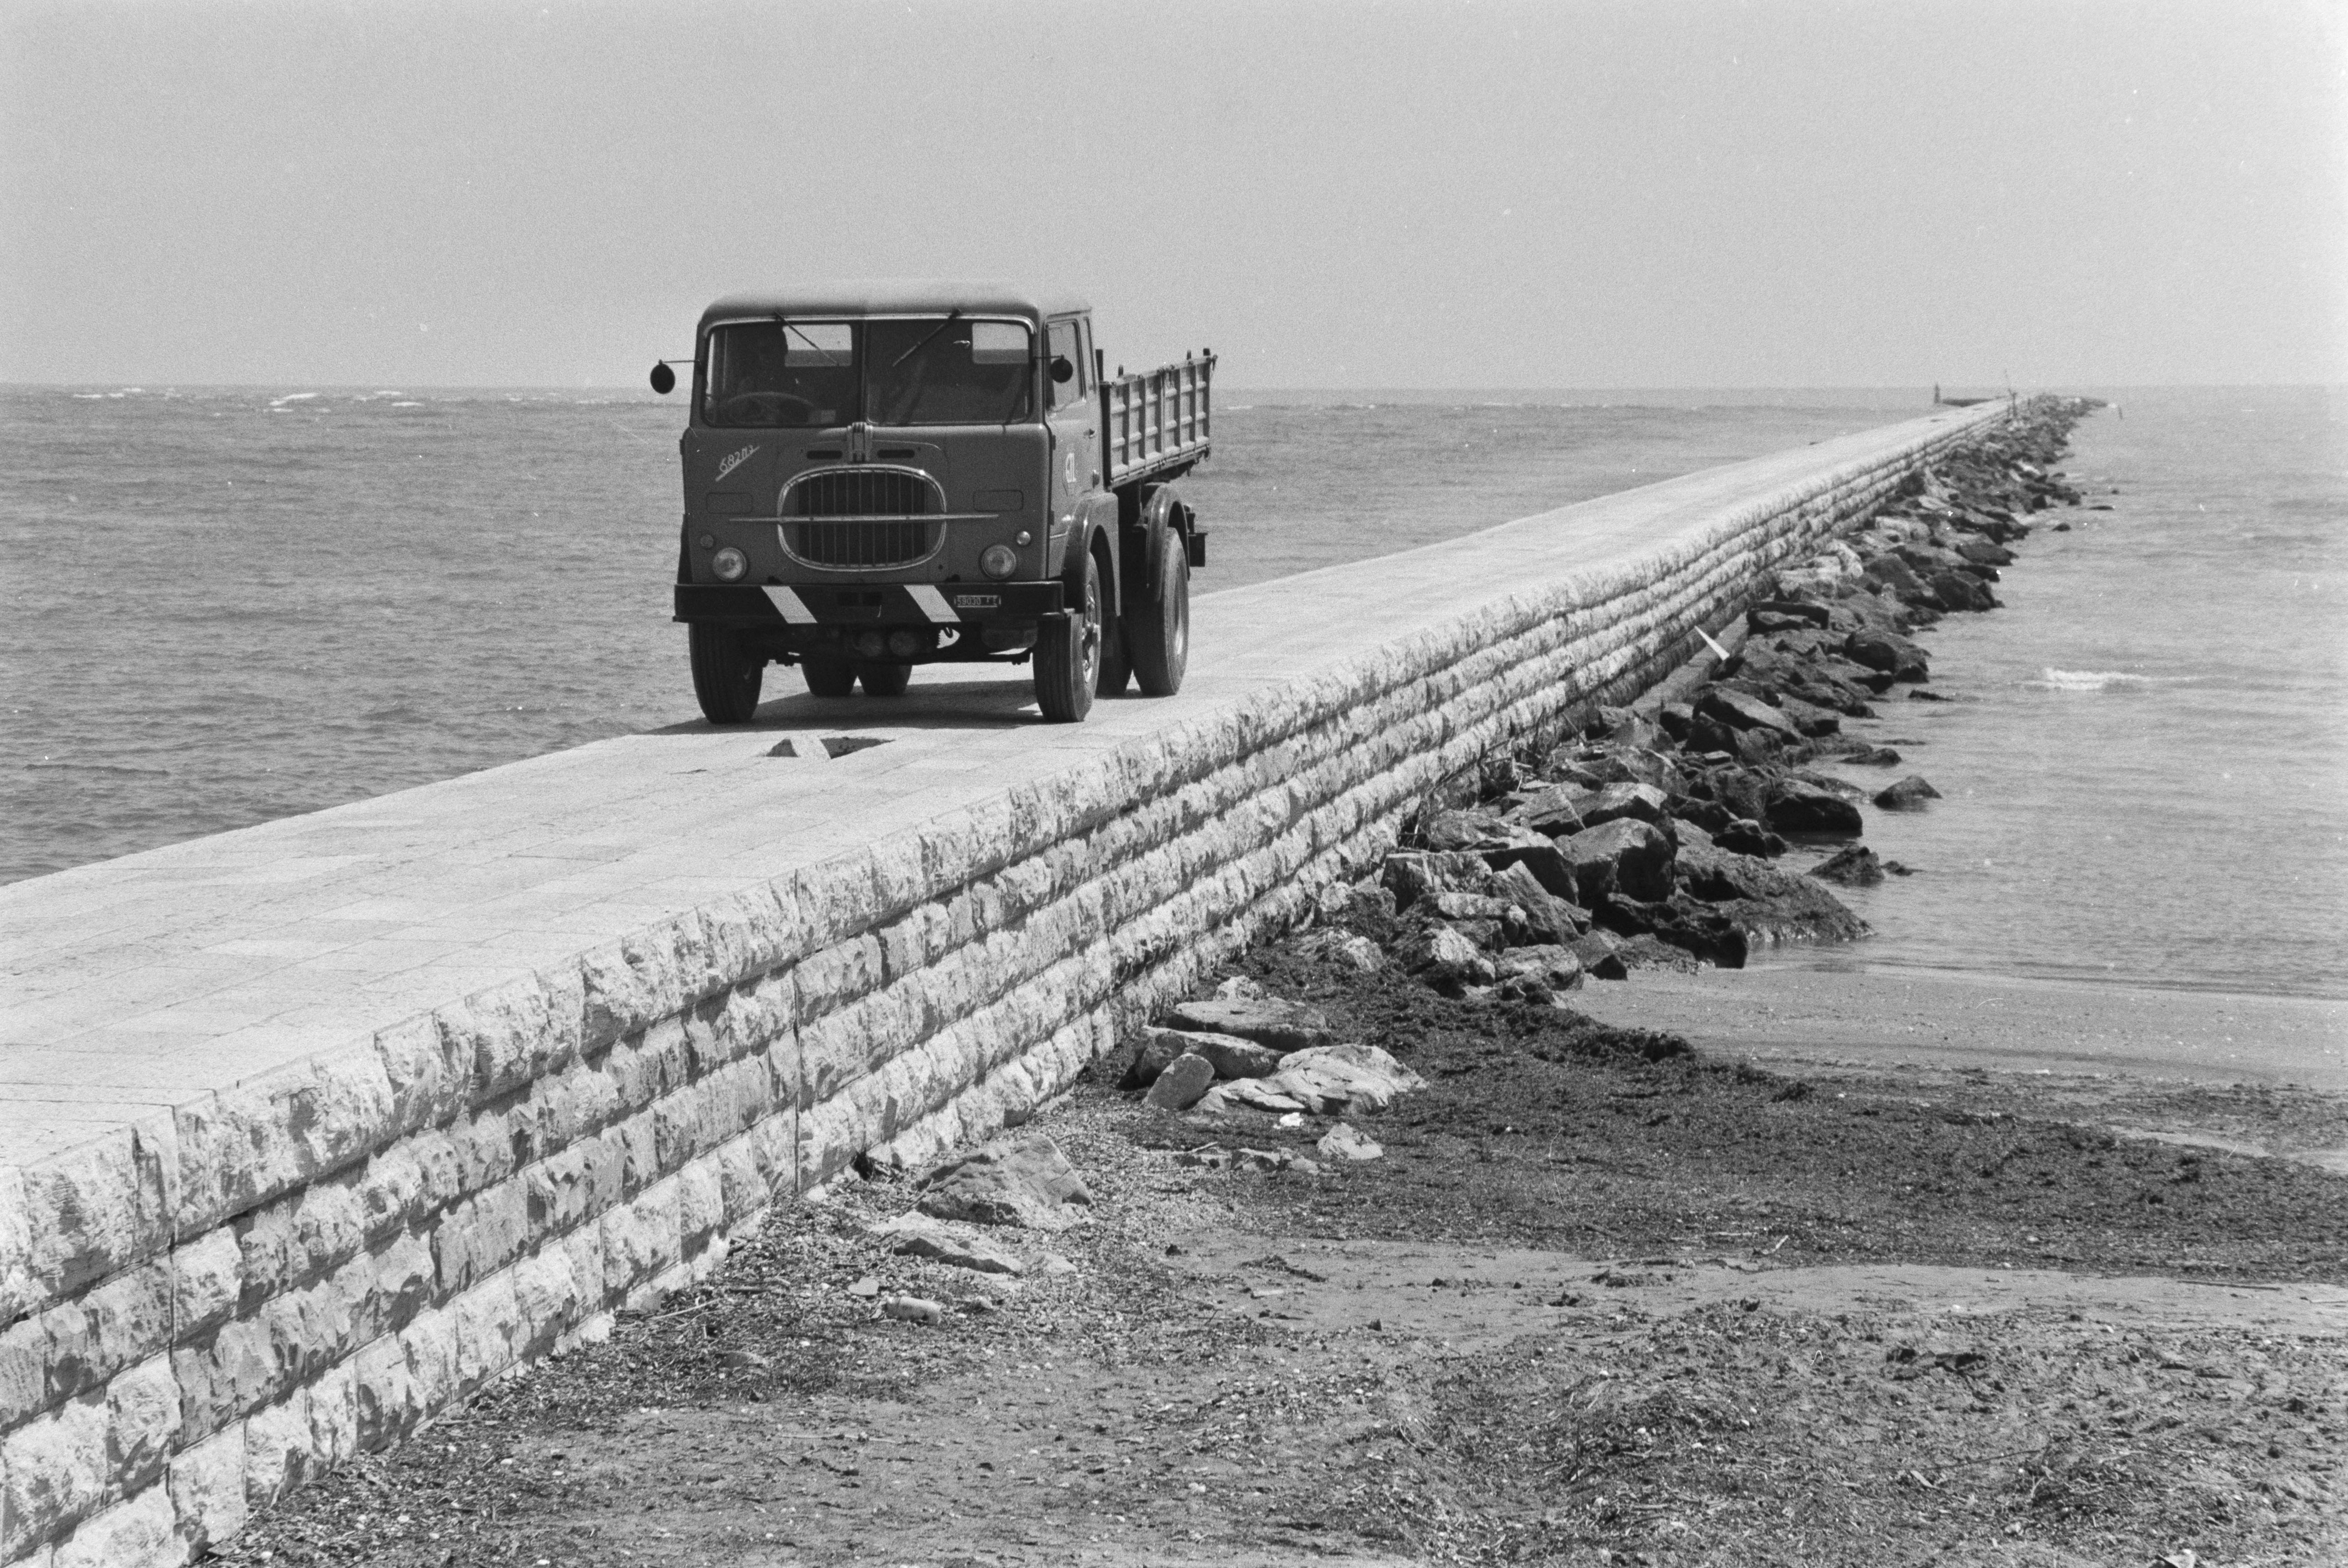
x,y
726,675
828,676
1157,629
885,680
1068,653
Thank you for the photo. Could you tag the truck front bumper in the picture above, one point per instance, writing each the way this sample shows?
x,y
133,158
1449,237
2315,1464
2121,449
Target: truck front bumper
x,y
869,605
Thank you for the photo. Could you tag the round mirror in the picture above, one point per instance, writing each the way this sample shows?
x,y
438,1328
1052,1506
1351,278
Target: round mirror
x,y
1061,371
663,378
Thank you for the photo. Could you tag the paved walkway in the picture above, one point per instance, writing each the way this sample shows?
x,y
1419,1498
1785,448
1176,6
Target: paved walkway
x,y
138,984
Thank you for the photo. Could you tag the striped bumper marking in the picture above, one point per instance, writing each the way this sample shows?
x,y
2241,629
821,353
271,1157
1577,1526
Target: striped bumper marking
x,y
789,606
931,602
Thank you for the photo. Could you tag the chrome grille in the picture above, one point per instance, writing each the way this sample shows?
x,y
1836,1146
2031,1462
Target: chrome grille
x,y
862,519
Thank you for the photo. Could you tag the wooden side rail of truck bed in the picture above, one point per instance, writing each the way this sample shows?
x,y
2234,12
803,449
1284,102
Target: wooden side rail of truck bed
x,y
1157,421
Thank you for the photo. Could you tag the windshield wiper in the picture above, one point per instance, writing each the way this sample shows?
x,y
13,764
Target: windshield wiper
x,y
925,342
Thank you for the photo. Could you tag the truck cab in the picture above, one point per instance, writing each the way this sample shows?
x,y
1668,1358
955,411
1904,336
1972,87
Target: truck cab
x,y
879,476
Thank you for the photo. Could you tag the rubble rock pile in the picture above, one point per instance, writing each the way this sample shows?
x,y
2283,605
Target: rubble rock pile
x,y
1654,838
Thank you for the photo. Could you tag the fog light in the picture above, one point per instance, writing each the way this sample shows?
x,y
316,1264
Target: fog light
x,y
730,563
905,642
871,644
999,560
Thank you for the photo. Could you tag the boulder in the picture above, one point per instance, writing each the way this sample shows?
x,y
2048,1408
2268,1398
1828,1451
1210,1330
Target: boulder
x,y
1796,610
1186,1078
1458,907
1746,837
1642,802
1813,721
1443,958
1412,875
1625,856
1960,590
1889,572
1796,806
1872,757
1010,1182
1159,1050
1556,966
1362,1077
1249,1093
1547,917
1909,795
1345,1142
1737,710
1600,960
1358,952
1449,831
1687,924
1765,902
1856,866
1230,1056
1887,652
919,1235
1542,861
1284,1025
1551,812
1981,552
1647,952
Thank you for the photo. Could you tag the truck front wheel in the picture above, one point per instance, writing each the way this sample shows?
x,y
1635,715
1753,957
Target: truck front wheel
x,y
1068,653
1157,629
726,675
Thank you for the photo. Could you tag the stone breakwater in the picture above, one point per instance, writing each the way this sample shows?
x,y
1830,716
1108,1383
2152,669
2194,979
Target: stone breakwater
x,y
310,1130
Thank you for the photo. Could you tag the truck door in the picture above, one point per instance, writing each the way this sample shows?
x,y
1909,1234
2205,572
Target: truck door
x,y
1076,419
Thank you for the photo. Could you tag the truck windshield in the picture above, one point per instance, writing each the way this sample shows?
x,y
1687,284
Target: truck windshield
x,y
915,370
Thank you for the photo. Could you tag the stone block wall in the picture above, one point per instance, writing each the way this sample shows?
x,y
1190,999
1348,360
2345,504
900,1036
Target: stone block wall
x,y
208,1308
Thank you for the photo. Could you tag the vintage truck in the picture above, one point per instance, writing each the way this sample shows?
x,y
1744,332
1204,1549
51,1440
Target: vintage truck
x,y
884,475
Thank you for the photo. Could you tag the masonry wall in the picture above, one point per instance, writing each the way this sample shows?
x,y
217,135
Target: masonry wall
x,y
314,1264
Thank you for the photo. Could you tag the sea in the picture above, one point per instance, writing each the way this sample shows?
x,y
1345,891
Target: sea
x,y
230,604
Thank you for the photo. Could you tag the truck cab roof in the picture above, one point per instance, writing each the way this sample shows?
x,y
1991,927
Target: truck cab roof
x,y
896,296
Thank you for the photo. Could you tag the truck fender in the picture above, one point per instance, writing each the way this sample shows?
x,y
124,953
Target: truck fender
x,y
1092,525
1165,525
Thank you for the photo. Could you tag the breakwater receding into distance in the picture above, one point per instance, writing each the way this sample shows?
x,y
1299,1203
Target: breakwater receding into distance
x,y
316,1127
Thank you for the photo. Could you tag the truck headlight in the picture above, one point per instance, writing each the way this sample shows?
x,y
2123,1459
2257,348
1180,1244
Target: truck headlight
x,y
730,563
999,560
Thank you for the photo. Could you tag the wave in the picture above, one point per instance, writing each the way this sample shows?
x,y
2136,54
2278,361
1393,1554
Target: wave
x,y
291,398
2053,679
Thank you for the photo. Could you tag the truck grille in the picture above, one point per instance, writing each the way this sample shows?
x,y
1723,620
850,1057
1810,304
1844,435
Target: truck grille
x,y
862,519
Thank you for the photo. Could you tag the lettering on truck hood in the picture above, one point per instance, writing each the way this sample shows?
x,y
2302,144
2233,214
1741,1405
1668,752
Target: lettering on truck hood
x,y
733,461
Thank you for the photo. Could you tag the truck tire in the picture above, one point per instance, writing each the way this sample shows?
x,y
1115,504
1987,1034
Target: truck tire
x,y
1068,653
1116,668
1157,627
885,680
726,675
828,676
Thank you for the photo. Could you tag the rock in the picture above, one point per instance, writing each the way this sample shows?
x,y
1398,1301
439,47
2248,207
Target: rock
x,y
1800,807
1011,1182
743,1361
1255,1094
957,1246
1889,572
1180,1085
1853,867
1239,988
1343,947
1229,1056
1930,696
1813,721
1343,1142
1625,856
1551,813
1443,958
1159,1050
1887,652
868,1287
1694,927
1909,795
1740,711
1555,965
1547,918
1600,957
1872,757
1645,951
1981,553
1467,906
1053,1265
1765,902
1543,860
1272,1161
1959,591
1362,1077
913,1309
1268,1020
1414,875
1800,610
1745,837
1616,802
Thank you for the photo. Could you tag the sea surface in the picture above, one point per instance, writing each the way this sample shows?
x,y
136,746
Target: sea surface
x,y
232,605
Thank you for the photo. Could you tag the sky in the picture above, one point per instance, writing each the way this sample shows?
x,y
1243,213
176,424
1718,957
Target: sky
x,y
1695,194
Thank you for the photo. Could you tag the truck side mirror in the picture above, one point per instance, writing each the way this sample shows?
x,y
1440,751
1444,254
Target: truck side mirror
x,y
663,378
1061,371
